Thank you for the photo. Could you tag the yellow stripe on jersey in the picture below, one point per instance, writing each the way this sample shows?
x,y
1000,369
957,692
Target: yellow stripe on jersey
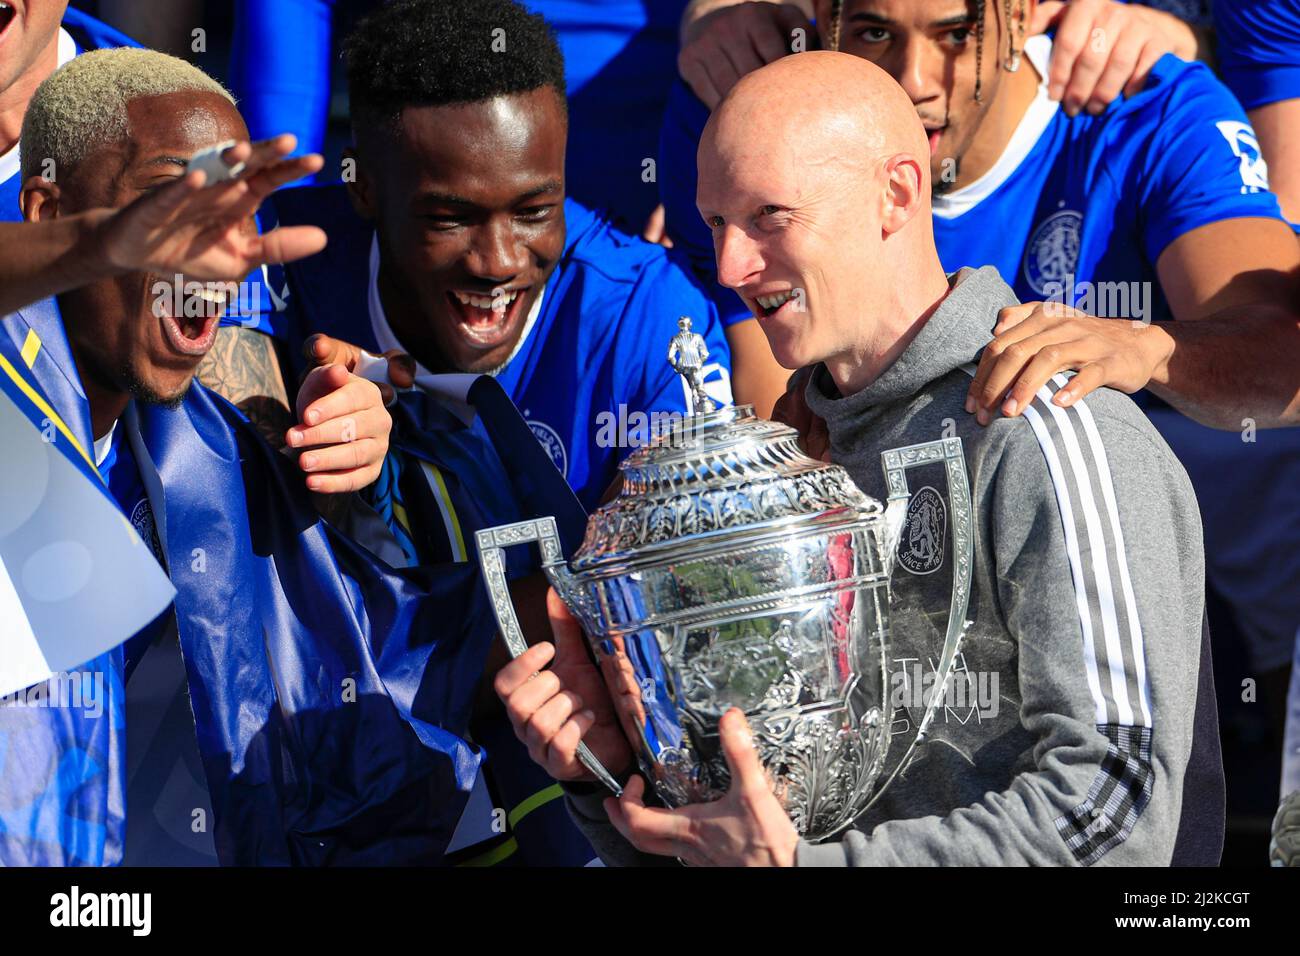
x,y
526,806
495,855
31,347
539,799
45,408
448,510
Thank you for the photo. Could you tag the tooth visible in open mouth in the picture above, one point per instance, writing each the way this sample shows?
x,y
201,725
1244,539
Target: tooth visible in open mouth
x,y
501,301
214,295
776,300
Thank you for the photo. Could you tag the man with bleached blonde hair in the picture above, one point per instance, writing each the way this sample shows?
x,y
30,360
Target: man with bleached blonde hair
x,y
192,760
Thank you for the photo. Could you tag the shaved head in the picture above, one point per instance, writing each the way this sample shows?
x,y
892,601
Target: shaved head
x,y
824,108
815,180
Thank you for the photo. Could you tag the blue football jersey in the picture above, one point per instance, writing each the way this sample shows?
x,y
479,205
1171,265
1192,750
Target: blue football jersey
x,y
1259,49
591,377
1079,210
1098,198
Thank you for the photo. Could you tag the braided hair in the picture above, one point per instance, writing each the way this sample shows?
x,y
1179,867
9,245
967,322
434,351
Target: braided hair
x,y
837,7
833,36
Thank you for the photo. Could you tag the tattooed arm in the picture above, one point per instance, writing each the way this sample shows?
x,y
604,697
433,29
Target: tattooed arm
x,y
243,367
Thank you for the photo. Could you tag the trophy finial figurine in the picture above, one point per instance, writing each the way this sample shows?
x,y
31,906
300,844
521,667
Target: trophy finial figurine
x,y
687,353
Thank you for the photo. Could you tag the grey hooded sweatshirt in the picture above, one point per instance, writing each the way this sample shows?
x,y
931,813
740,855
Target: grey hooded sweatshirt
x,y
1087,600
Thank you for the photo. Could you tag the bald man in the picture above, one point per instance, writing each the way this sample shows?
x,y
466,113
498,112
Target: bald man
x,y
1086,595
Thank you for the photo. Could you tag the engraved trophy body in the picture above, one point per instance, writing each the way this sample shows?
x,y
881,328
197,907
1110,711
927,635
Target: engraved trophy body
x,y
734,571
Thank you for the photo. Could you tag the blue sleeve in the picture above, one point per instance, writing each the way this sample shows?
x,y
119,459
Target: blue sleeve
x,y
91,34
1202,162
665,293
684,120
1259,49
280,68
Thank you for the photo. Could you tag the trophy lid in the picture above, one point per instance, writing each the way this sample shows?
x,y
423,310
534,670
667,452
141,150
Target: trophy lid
x,y
717,479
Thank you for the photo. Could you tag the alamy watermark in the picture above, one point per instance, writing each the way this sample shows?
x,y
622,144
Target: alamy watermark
x,y
964,695
632,429
82,690
1105,300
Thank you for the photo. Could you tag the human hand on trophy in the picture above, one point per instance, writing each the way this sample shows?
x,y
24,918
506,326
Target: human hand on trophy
x,y
747,827
553,710
792,409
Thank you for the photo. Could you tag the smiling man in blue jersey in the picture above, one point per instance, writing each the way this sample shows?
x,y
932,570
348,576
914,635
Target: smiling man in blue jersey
x,y
454,241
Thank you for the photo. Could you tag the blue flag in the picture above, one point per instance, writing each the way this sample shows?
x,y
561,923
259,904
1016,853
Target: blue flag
x,y
66,552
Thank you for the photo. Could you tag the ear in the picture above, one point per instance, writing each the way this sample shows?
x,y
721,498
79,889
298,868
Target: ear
x,y
904,192
39,199
361,190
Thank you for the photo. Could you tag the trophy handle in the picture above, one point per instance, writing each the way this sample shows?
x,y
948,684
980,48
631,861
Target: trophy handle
x,y
895,463
492,543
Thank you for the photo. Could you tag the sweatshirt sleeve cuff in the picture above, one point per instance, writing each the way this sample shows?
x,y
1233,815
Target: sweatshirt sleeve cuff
x,y
820,854
588,799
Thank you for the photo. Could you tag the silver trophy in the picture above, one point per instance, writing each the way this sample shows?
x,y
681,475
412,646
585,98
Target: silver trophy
x,y
732,570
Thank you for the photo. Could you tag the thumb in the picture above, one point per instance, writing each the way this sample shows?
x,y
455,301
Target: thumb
x,y
322,350
739,750
564,628
319,383
401,368
653,230
1045,17
288,243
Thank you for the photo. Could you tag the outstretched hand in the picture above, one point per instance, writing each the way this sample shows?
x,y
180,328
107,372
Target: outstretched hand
x,y
342,434
1102,49
204,231
725,41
